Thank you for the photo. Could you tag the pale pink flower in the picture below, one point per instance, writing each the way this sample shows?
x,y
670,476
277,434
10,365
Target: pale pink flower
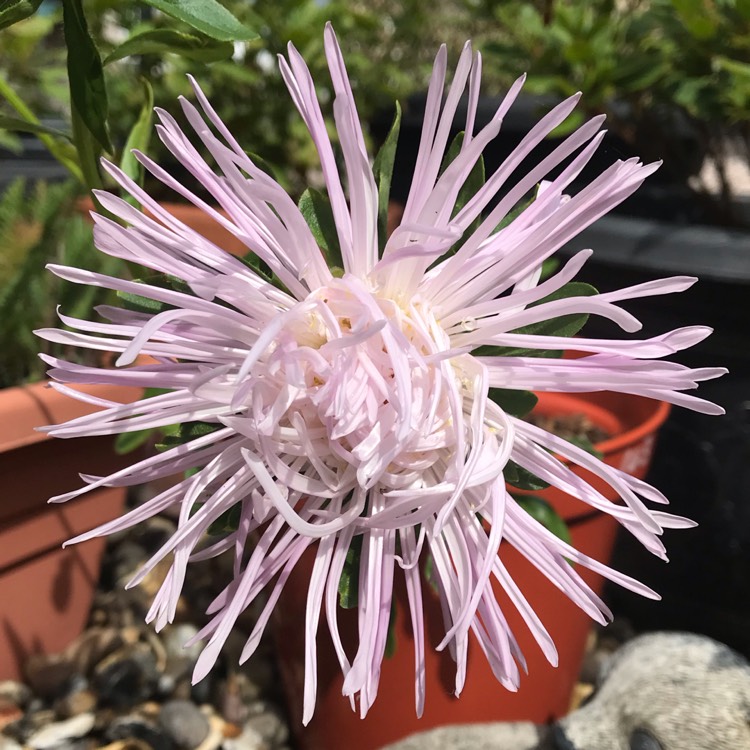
x,y
352,405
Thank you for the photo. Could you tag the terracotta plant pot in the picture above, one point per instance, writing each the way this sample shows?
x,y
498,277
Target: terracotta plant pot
x,y
545,692
46,590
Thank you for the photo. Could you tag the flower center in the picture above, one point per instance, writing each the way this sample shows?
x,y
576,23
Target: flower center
x,y
363,387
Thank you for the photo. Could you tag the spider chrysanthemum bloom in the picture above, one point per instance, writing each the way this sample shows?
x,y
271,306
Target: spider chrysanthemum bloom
x,y
337,408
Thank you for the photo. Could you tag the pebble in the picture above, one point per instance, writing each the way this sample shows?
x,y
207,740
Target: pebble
x,y
127,677
15,692
60,732
184,723
121,686
135,727
248,739
270,727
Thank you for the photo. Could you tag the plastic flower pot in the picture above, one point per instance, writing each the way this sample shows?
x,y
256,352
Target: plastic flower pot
x,y
545,693
47,590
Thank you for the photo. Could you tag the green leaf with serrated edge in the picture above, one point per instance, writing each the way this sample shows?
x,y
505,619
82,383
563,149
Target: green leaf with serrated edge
x,y
349,581
227,522
316,209
88,92
515,403
382,170
207,16
140,136
12,11
127,442
564,326
159,41
540,510
522,479
16,124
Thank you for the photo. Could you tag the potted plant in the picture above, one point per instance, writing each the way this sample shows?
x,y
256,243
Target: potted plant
x,y
362,396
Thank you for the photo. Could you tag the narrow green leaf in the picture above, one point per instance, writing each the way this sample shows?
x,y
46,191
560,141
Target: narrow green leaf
x,y
24,126
516,403
139,136
540,510
262,164
207,16
137,303
159,41
12,11
349,581
382,170
317,211
187,431
88,93
127,442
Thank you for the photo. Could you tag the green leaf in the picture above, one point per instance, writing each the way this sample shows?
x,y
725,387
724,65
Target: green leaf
x,y
187,431
263,165
24,126
12,11
540,510
522,479
227,522
207,16
349,581
429,573
515,403
127,442
317,211
159,41
137,303
88,93
564,326
382,170
139,136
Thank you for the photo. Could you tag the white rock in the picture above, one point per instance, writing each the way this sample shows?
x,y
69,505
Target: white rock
x,y
60,731
520,735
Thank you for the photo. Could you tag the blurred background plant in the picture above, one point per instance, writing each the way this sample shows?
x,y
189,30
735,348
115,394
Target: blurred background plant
x,y
673,76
